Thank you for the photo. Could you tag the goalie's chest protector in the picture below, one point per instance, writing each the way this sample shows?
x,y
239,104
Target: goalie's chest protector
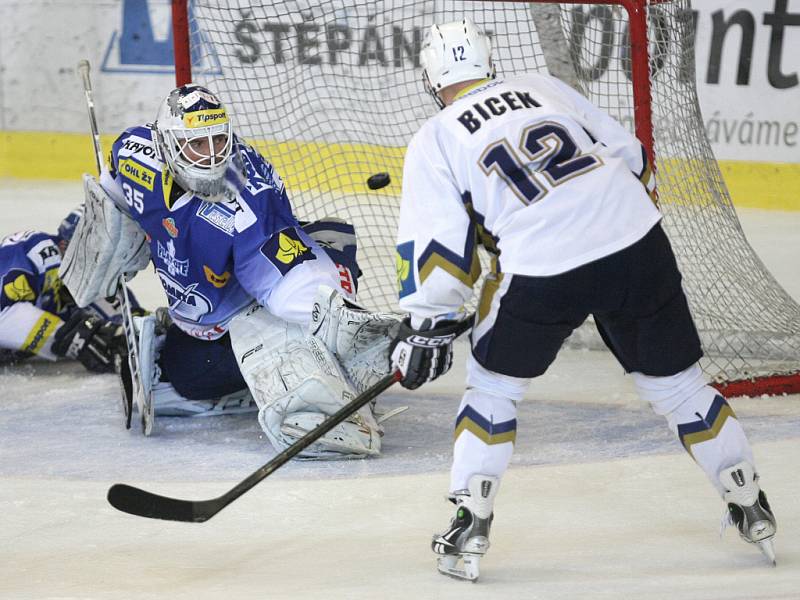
x,y
191,240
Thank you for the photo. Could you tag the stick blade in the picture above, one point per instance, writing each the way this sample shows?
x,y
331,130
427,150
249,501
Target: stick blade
x,y
142,503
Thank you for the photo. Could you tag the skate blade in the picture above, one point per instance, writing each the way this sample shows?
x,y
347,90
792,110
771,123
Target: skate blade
x,y
381,418
768,549
448,565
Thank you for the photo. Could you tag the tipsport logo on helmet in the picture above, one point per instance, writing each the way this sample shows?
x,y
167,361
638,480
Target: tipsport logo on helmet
x,y
205,118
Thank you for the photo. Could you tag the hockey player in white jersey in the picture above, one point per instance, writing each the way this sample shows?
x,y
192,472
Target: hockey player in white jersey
x,y
257,299
560,195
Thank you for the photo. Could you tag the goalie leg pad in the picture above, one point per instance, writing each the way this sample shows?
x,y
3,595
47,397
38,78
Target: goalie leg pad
x,y
161,398
296,382
358,338
106,244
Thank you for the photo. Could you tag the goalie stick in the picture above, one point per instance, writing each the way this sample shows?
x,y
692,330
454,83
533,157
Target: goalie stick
x,y
139,502
130,374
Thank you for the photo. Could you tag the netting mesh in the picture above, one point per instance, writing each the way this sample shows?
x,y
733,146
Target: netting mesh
x,y
330,92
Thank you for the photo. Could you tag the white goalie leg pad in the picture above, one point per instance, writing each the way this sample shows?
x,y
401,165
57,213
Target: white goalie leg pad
x,y
296,383
106,244
358,338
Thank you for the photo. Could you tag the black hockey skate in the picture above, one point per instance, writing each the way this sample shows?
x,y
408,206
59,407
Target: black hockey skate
x,y
467,538
748,508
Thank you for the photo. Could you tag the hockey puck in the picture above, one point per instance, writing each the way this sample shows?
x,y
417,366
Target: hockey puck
x,y
378,181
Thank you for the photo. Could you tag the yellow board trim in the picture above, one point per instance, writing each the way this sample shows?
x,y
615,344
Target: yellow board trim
x,y
771,186
345,167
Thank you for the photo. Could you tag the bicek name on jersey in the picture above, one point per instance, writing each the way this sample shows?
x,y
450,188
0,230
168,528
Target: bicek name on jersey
x,y
494,106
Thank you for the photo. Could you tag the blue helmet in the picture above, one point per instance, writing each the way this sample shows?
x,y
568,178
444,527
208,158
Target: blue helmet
x,y
67,227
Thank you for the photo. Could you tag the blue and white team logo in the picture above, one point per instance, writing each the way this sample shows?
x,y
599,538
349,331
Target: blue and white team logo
x,y
184,300
144,42
167,256
219,216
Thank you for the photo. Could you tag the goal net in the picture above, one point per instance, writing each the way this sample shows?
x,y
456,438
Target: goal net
x,y
330,91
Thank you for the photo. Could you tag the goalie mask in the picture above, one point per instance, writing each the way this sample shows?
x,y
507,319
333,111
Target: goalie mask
x,y
452,53
194,137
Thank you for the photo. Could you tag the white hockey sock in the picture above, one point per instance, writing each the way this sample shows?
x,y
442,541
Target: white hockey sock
x,y
486,428
701,418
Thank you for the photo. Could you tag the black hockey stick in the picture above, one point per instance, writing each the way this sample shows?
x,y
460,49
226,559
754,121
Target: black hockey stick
x,y
136,501
142,503
130,373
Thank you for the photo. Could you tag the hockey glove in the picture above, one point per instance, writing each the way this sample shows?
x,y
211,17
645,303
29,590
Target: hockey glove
x,y
424,354
90,340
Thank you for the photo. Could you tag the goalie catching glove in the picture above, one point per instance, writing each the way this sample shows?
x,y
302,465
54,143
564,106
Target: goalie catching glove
x,y
424,353
90,340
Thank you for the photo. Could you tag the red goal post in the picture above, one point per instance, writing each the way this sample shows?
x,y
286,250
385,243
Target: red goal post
x,y
634,58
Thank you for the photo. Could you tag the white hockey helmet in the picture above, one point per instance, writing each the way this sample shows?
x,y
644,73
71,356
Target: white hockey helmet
x,y
452,53
194,137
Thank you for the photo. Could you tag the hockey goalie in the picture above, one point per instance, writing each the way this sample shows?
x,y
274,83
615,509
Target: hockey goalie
x,y
261,308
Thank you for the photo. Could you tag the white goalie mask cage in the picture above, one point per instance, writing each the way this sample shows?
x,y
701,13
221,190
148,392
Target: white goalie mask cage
x,y
191,113
454,52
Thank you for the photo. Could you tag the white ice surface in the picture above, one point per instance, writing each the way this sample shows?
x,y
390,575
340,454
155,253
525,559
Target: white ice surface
x,y
600,502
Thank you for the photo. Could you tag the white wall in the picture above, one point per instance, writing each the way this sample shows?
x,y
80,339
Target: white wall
x,y
41,42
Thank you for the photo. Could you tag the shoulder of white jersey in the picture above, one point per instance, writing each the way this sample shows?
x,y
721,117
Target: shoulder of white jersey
x,y
421,140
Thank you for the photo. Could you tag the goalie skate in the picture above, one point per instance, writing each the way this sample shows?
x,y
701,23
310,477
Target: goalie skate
x,y
463,545
748,508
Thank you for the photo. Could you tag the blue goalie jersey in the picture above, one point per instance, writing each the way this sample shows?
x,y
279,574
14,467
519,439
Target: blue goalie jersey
x,y
216,258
